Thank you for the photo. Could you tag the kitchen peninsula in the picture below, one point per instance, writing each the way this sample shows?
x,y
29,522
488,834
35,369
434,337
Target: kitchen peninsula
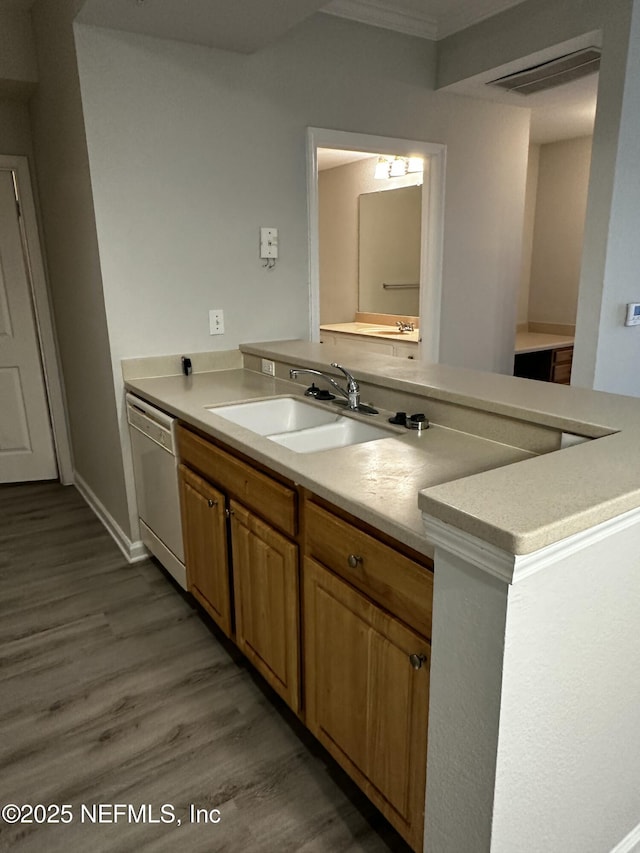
x,y
526,496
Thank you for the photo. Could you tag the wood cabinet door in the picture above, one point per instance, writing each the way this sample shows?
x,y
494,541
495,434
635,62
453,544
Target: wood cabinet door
x,y
365,701
205,545
267,601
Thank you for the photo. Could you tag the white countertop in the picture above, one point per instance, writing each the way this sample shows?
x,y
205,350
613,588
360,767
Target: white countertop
x,y
499,493
525,341
373,330
536,342
377,481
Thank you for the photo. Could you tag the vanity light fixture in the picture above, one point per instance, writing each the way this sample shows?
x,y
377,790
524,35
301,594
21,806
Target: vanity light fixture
x,y
397,167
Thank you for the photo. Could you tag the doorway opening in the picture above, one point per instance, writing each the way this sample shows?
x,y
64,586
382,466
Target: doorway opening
x,y
427,287
34,441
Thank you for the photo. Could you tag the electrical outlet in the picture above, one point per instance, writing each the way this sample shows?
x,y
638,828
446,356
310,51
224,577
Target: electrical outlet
x,y
268,367
216,321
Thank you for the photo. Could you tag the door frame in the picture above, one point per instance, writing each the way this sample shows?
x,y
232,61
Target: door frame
x,y
34,260
434,155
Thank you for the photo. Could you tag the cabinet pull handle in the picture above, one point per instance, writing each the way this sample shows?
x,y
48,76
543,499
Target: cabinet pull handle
x,y
416,661
354,560
229,513
212,502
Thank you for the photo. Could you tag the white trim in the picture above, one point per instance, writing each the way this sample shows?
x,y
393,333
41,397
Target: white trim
x,y
630,843
432,223
512,568
378,14
391,16
133,551
455,20
44,316
487,557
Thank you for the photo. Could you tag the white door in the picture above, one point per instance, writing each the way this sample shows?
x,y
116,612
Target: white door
x,y
26,443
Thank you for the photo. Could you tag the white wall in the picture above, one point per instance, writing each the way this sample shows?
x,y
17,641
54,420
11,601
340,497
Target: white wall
x,y
523,29
560,210
74,267
607,352
527,235
192,150
18,69
469,612
568,770
15,129
534,743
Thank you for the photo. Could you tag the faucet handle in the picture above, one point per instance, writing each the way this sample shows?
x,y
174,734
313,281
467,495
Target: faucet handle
x,y
353,385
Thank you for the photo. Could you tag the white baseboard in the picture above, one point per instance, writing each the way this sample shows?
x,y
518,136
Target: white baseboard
x,y
133,551
630,843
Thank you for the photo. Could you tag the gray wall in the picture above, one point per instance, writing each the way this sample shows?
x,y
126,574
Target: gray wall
x,y
610,252
560,210
192,150
527,238
15,129
74,265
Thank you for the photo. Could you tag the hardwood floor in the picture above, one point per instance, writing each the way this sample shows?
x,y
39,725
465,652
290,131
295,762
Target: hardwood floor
x,y
115,689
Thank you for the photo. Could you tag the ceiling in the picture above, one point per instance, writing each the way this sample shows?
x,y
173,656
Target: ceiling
x,y
16,5
245,26
330,158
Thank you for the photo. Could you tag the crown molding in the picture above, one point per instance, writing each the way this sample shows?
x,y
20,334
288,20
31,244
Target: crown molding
x,y
395,15
470,14
386,16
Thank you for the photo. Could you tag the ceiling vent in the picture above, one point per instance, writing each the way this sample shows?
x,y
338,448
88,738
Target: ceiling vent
x,y
548,75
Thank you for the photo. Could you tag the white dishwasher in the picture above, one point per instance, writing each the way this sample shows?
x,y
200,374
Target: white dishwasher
x,y
155,471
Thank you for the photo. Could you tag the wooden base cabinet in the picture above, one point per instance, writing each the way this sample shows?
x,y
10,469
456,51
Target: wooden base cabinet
x,y
367,695
204,529
242,563
365,615
265,581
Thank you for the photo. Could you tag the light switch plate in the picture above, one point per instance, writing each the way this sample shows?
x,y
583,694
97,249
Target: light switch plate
x,y
268,242
216,321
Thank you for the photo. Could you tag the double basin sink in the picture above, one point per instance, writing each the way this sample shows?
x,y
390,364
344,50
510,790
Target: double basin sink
x,y
301,425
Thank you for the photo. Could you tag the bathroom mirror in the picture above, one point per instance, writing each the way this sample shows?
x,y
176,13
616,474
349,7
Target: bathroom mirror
x,y
392,227
389,228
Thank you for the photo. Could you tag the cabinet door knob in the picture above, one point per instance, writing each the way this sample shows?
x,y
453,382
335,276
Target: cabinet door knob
x,y
416,661
354,560
212,502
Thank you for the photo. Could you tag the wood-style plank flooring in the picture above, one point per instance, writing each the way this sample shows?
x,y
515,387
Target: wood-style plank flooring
x,y
115,689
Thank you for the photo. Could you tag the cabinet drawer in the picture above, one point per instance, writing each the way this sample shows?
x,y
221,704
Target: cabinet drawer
x,y
401,586
563,356
562,374
268,498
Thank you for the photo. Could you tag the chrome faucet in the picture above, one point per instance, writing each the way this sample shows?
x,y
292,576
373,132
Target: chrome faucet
x,y
352,391
404,326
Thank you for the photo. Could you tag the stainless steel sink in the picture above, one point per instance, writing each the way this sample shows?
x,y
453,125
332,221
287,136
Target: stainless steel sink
x,y
301,425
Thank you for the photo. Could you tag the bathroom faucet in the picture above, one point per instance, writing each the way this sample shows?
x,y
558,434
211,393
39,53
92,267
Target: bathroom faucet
x,y
352,391
404,326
